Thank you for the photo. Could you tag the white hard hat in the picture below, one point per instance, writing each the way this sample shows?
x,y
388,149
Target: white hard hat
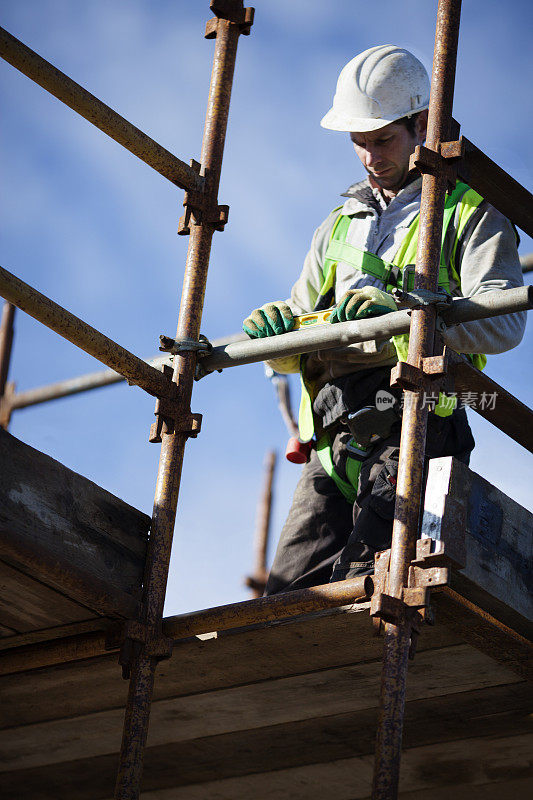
x,y
377,87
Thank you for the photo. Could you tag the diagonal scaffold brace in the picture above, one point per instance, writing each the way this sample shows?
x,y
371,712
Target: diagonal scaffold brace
x,y
203,217
438,172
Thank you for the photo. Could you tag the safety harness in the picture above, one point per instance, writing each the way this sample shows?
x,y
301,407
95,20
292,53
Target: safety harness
x,y
460,204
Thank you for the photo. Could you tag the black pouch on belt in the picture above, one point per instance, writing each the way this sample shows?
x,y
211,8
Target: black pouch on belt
x,y
370,423
349,393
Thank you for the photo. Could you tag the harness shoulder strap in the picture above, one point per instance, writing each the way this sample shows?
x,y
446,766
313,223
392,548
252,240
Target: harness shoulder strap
x,y
338,233
469,204
407,251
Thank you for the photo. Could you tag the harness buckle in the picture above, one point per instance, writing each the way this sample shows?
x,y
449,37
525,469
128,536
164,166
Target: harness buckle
x,y
358,450
407,283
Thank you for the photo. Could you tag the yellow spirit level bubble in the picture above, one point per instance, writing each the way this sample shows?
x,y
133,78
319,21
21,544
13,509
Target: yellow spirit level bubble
x,y
315,318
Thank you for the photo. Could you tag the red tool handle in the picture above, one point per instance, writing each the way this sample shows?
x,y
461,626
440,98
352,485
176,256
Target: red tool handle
x,y
298,452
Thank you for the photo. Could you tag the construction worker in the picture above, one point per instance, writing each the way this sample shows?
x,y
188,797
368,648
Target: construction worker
x,y
343,505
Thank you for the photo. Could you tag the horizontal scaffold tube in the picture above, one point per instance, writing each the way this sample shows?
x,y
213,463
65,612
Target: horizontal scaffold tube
x,y
92,109
70,386
326,337
269,609
58,319
495,185
70,646
504,410
87,382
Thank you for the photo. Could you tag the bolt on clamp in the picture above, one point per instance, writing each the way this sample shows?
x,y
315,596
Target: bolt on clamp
x,y
202,347
422,297
174,346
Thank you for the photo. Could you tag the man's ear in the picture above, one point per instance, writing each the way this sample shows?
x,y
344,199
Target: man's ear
x,y
421,126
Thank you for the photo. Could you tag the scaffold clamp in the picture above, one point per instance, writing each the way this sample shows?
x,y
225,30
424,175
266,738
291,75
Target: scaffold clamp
x,y
442,162
171,417
199,209
169,345
422,297
428,570
199,212
135,637
431,372
233,11
202,347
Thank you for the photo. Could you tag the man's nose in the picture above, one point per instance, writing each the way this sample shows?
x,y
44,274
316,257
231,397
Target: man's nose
x,y
371,155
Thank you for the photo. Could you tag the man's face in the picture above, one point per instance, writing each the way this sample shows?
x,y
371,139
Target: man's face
x,y
385,153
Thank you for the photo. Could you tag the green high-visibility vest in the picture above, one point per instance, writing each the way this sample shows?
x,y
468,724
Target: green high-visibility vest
x,y
466,201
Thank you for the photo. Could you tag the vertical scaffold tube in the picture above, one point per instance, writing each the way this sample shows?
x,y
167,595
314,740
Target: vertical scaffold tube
x,y
173,445
257,581
413,437
6,343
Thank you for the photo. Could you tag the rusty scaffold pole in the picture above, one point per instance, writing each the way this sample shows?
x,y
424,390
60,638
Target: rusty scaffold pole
x,y
257,580
95,111
144,643
413,437
97,642
84,336
6,344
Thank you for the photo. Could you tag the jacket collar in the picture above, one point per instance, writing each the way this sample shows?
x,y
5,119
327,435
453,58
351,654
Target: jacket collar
x,y
361,197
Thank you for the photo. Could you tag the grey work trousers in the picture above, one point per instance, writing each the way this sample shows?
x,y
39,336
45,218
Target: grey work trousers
x,y
325,538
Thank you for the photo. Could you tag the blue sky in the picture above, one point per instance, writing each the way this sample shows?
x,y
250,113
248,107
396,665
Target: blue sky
x,y
88,224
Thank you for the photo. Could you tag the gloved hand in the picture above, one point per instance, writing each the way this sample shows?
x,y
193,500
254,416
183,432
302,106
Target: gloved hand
x,y
369,301
269,320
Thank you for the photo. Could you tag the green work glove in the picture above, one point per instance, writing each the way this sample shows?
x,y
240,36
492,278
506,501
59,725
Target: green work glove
x,y
362,304
269,320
